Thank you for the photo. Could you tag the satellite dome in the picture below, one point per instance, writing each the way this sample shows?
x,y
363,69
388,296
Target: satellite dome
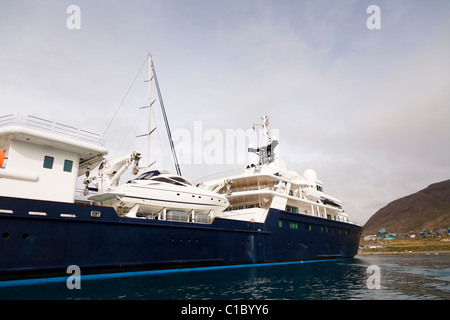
x,y
310,175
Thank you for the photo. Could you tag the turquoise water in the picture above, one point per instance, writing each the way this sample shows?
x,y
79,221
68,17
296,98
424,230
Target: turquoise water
x,y
405,277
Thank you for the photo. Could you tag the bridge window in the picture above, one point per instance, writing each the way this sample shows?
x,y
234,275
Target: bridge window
x,y
48,162
68,164
291,209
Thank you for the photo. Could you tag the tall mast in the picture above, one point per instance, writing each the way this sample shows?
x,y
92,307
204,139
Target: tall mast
x,y
149,122
150,76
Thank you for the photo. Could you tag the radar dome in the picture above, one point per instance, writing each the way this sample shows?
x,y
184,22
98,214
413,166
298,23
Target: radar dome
x,y
293,173
310,175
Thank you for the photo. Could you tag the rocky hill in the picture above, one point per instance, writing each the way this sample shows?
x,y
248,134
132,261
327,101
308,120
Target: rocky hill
x,y
426,209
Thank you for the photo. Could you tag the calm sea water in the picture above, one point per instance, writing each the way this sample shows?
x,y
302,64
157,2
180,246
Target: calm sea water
x,y
411,276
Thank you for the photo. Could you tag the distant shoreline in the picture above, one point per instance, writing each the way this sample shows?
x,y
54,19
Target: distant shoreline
x,y
363,253
406,246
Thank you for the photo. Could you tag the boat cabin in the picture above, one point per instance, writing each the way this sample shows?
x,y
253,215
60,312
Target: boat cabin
x,y
42,159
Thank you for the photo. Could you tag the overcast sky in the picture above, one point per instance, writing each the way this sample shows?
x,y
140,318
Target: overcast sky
x,y
368,110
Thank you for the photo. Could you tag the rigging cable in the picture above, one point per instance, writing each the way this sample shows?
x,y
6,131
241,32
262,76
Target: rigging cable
x,y
126,94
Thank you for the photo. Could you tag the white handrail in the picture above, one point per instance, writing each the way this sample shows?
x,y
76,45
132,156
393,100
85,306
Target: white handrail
x,y
50,126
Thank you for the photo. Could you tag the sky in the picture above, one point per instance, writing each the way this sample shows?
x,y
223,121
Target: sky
x,y
367,109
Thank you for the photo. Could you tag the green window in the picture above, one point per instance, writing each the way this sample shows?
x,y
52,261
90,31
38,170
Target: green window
x,y
68,165
48,162
280,224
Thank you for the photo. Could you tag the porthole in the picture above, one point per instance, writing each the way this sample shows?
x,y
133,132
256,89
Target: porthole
x,y
25,236
5,235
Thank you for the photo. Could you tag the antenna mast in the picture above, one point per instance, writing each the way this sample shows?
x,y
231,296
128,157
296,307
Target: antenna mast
x,y
264,125
266,154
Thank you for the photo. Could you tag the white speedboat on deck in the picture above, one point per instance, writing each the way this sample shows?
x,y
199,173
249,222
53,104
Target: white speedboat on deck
x,y
158,194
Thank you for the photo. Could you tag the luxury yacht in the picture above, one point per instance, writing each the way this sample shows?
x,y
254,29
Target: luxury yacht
x,y
268,184
158,220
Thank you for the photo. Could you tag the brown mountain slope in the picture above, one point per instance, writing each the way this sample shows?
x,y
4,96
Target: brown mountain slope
x,y
426,209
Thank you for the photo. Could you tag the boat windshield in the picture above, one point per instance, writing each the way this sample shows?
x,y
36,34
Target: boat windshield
x,y
180,179
172,180
155,176
148,175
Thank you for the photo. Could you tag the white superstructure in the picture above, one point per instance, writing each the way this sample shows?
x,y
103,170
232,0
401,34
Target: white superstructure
x,y
42,159
268,184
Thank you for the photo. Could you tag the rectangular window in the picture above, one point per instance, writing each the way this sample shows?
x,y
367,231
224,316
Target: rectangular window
x,y
280,224
293,225
68,165
308,227
48,162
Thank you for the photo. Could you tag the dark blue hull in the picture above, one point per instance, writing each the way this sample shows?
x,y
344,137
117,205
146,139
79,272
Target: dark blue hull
x,y
42,238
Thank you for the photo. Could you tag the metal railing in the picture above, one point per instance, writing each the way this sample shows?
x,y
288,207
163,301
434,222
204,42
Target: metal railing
x,y
50,126
251,188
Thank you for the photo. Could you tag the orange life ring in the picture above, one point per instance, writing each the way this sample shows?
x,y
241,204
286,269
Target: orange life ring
x,y
306,211
2,157
252,220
